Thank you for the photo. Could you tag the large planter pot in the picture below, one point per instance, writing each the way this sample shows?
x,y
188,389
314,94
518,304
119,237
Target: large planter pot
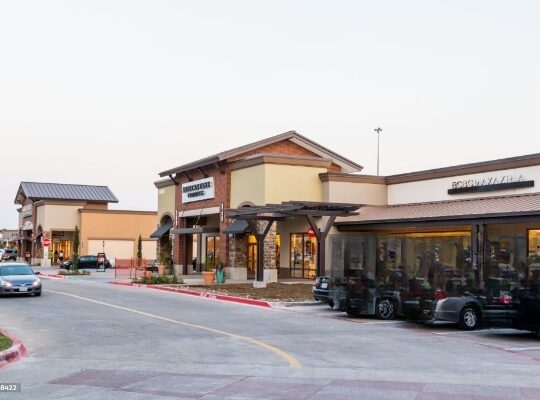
x,y
208,277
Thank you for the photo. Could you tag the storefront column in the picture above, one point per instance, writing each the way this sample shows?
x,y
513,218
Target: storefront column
x,y
270,270
237,266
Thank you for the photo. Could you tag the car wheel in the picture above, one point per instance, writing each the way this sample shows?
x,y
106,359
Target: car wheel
x,y
385,309
469,319
538,333
37,293
331,303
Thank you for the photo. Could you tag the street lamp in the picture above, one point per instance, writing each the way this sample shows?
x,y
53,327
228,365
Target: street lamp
x,y
378,130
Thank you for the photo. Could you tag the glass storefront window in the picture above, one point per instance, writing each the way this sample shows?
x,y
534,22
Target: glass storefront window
x,y
212,250
303,260
414,261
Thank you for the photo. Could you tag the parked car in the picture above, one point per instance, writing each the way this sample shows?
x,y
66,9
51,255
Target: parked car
x,y
88,261
528,316
322,290
469,310
18,278
9,255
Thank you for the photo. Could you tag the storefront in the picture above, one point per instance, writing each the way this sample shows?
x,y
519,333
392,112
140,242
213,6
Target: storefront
x,y
485,242
53,211
281,168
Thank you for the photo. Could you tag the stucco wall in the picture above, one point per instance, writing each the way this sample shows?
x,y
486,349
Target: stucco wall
x,y
115,225
165,202
248,184
437,189
60,217
292,182
274,183
353,192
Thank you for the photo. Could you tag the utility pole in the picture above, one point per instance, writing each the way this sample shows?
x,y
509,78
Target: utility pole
x,y
378,130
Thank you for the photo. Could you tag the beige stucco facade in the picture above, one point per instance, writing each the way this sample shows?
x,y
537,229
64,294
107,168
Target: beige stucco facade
x,y
117,228
353,192
166,199
272,183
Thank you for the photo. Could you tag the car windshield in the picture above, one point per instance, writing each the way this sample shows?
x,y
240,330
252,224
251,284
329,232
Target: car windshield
x,y
16,270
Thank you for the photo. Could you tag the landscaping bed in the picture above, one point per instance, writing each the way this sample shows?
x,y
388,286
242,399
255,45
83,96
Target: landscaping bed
x,y
283,292
5,342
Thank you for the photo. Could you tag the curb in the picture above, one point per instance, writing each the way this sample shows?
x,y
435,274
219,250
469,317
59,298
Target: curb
x,y
52,276
14,353
204,295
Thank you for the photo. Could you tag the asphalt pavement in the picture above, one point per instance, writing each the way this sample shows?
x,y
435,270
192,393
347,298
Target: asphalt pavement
x,y
87,339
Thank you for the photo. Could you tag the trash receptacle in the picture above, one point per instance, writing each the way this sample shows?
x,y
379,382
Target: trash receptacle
x,y
220,274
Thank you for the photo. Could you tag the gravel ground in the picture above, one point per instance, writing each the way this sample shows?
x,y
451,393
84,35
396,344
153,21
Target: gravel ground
x,y
273,292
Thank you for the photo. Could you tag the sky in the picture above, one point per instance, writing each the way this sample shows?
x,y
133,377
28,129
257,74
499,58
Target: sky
x,y
114,92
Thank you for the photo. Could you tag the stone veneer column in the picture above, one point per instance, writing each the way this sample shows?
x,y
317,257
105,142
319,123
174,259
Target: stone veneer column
x,y
237,264
270,270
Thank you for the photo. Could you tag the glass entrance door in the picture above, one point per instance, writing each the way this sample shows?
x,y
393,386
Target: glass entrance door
x,y
251,256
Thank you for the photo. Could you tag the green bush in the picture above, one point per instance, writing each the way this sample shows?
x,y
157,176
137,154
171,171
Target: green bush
x,y
157,279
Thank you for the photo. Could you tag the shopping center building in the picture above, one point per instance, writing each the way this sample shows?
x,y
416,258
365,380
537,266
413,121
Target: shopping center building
x,y
193,199
53,210
472,222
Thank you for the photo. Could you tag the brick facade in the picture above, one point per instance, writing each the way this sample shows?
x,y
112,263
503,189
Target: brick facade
x,y
232,251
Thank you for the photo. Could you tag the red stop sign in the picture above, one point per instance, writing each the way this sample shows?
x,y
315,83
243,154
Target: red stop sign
x,y
46,242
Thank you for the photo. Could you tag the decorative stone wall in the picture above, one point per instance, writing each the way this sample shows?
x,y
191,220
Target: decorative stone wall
x,y
238,251
270,248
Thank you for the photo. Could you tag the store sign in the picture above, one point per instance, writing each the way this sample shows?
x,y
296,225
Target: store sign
x,y
489,184
26,210
202,189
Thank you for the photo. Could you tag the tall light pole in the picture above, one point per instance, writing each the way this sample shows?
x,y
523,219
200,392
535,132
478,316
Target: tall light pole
x,y
378,130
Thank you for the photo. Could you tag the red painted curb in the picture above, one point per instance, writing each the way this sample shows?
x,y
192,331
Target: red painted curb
x,y
14,353
205,295
53,276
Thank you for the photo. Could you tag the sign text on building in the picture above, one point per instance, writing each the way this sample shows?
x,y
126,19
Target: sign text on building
x,y
202,189
489,184
26,210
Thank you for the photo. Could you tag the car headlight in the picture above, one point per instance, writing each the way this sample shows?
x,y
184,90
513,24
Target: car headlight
x,y
5,284
37,282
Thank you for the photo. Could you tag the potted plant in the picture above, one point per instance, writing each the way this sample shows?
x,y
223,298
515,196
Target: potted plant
x,y
208,273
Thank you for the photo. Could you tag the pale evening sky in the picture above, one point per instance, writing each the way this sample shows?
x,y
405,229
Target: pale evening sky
x,y
113,92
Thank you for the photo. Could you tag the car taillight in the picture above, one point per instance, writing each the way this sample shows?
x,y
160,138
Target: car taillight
x,y
506,299
440,294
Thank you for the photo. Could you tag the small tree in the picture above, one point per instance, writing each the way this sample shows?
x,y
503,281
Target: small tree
x,y
139,251
75,264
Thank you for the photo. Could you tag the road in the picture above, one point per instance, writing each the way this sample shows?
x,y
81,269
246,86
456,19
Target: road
x,y
90,340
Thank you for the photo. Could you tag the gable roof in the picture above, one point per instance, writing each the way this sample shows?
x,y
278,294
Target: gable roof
x,y
63,191
346,164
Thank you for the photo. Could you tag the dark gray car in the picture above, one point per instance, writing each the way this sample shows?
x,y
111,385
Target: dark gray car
x,y
18,278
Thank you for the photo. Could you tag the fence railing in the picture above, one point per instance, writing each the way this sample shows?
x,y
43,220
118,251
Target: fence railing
x,y
130,268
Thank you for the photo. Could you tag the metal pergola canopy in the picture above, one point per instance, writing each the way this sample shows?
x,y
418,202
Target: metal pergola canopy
x,y
288,210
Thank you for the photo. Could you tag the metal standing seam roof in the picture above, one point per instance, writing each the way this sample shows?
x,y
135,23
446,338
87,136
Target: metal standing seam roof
x,y
495,206
63,191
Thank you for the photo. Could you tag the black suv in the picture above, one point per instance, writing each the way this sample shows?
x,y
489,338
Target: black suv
x,y
10,255
89,261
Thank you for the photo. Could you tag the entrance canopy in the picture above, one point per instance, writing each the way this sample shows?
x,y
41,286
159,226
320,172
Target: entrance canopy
x,y
288,210
162,230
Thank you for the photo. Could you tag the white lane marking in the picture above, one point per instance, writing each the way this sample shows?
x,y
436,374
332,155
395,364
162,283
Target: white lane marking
x,y
291,360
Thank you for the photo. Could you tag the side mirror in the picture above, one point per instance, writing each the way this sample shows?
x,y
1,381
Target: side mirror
x,y
37,273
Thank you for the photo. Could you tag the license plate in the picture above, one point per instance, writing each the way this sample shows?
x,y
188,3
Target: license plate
x,y
324,285
23,289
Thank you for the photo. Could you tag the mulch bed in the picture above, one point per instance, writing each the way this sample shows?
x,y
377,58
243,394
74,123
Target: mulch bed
x,y
282,292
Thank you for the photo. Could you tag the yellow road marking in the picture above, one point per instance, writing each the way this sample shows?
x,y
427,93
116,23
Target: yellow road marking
x,y
292,361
